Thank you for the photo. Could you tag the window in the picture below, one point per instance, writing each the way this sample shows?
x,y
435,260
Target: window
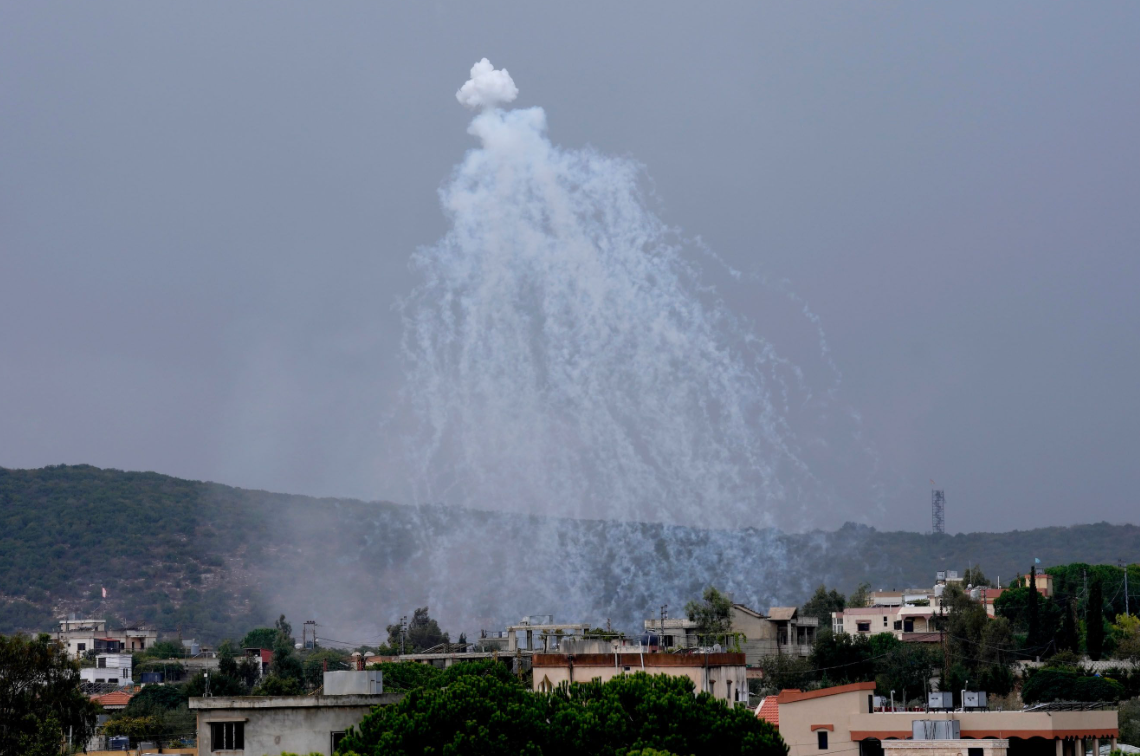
x,y
80,647
334,740
821,736
898,624
227,736
102,663
975,751
863,627
884,620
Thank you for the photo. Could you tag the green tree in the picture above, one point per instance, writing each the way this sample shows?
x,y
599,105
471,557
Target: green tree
x,y
1033,616
712,614
1126,631
274,685
783,671
975,577
400,677
491,715
1069,639
861,596
1049,684
1128,718
40,696
422,633
979,649
822,603
1094,621
905,668
155,699
136,728
260,637
843,658
315,664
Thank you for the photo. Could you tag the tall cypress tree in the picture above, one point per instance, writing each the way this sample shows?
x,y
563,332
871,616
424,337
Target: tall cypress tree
x,y
1094,621
1032,613
1070,640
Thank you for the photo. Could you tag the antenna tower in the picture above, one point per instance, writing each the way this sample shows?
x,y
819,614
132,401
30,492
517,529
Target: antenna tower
x,y
938,511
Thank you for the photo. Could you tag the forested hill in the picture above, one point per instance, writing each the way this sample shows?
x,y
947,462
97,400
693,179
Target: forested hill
x,y
211,561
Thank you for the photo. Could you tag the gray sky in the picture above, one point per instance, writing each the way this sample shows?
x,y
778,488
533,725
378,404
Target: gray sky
x,y
206,212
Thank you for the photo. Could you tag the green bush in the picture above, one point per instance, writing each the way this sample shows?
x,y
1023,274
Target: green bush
x,y
1047,684
492,714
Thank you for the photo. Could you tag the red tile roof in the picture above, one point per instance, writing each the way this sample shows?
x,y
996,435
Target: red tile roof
x,y
792,695
769,711
114,698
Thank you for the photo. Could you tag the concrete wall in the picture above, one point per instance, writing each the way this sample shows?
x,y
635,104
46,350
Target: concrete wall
x,y
802,714
300,724
993,747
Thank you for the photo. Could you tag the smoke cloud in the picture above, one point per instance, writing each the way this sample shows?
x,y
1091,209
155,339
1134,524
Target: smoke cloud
x,y
487,87
566,355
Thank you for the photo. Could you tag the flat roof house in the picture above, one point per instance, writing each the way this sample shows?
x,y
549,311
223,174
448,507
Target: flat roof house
x,y
721,674
843,719
257,725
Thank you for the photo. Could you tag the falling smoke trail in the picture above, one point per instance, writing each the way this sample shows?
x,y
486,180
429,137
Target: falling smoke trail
x,y
565,357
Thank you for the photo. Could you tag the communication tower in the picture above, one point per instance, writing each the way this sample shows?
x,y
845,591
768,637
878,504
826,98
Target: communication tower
x,y
938,511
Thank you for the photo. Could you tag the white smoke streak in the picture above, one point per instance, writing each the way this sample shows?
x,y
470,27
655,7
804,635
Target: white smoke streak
x,y
565,357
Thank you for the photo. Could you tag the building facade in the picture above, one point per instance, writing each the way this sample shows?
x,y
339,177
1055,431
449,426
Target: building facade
x,y
721,674
844,719
259,725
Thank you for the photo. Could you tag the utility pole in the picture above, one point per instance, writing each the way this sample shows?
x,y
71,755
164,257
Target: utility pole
x,y
403,632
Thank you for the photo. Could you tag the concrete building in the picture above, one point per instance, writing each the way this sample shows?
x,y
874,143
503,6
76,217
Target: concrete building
x,y
257,725
109,669
843,718
723,675
781,632
79,636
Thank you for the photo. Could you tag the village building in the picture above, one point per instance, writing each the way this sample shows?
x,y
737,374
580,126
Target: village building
x,y
109,670
256,725
721,674
781,632
81,636
845,718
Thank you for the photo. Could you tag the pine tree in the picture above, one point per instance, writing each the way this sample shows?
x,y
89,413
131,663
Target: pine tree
x,y
1094,621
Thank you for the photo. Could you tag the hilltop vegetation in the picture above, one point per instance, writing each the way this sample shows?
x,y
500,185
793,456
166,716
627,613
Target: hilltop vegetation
x,y
213,561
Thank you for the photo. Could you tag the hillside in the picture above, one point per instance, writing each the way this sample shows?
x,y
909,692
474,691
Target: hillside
x,y
211,560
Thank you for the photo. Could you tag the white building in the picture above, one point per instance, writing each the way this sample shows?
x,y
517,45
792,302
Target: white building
x,y
79,636
109,669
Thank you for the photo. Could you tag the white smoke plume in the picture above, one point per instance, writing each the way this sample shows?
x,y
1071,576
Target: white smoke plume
x,y
487,87
567,356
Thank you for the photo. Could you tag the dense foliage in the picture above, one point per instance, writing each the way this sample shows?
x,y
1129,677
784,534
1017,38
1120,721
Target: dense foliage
x,y
484,710
40,697
822,603
420,634
1044,685
711,613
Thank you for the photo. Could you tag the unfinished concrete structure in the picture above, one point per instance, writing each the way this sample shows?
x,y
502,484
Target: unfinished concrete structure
x,y
781,632
257,725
